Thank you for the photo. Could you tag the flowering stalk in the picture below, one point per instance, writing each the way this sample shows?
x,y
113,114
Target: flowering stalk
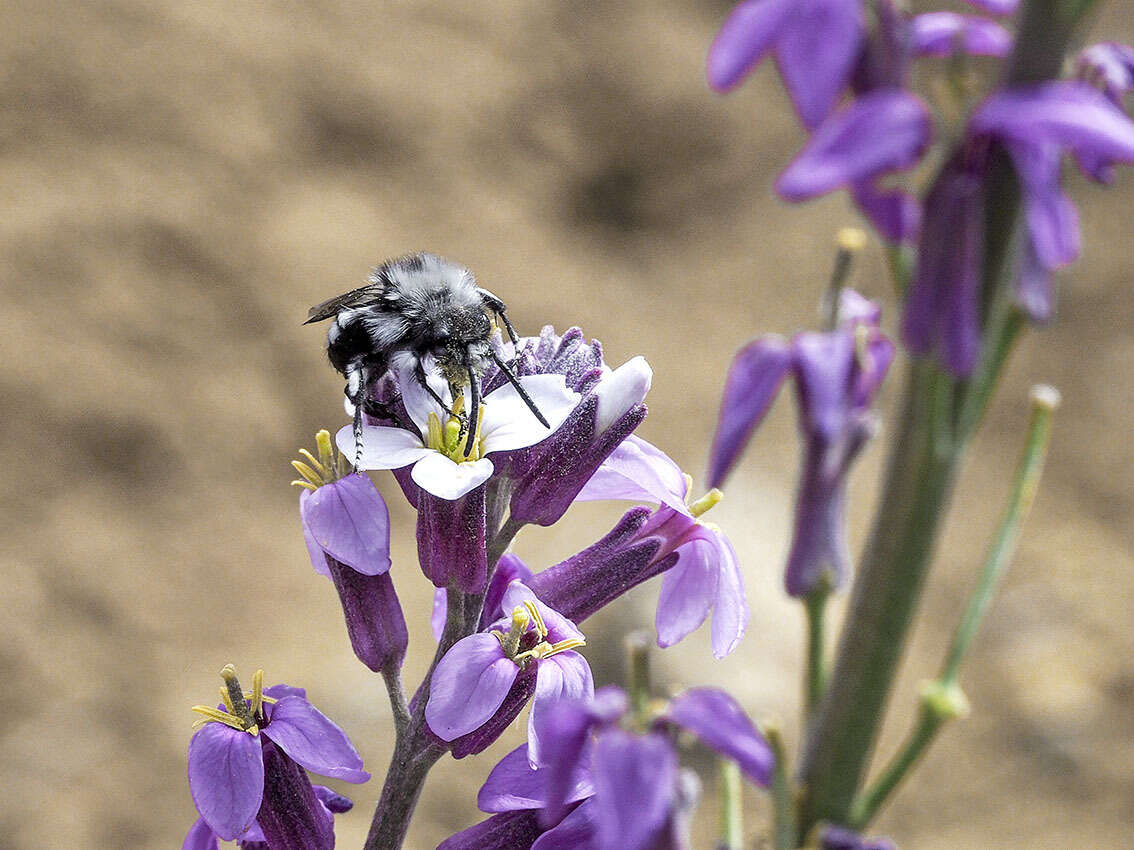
x,y
943,699
938,415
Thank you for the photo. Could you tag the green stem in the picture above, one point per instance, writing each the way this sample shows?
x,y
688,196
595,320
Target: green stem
x,y
1044,402
638,680
938,416
816,607
943,700
732,806
783,795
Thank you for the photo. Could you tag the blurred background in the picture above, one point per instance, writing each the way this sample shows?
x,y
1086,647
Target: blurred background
x,y
180,181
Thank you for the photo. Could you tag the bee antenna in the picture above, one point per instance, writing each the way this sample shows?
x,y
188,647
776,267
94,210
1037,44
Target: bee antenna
x,y
515,382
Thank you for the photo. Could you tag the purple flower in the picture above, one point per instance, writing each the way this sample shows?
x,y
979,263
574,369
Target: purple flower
x,y
545,478
638,793
246,765
347,530
816,44
202,837
474,678
1110,66
1036,124
881,132
837,374
705,575
947,33
841,838
996,7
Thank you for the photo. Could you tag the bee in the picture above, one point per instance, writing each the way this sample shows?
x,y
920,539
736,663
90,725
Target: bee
x,y
412,307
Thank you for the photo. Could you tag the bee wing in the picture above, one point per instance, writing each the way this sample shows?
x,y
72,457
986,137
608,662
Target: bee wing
x,y
360,297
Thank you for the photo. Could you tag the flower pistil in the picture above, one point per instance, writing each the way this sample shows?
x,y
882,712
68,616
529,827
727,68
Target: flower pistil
x,y
523,617
245,708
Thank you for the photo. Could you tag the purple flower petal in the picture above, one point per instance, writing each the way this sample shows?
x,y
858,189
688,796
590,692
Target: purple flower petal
x,y
1110,65
311,739
349,521
517,699
687,592
315,551
881,132
1069,114
943,33
753,380
563,676
748,32
730,607
996,7
637,471
895,213
816,53
513,784
942,309
634,779
1034,290
507,831
468,686
280,691
200,837
574,832
825,363
226,778
818,547
1053,222
558,627
721,724
508,569
336,803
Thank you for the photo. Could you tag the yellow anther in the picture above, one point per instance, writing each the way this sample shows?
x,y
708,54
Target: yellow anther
x,y
459,405
227,700
314,463
308,473
520,619
257,692
850,239
265,699
434,439
537,618
452,439
307,485
213,715
566,644
707,501
326,448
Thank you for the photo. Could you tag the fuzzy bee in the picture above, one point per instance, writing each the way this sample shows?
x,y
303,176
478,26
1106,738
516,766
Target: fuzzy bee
x,y
415,306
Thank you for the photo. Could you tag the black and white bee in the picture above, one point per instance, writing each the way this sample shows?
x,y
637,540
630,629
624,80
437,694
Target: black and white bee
x,y
412,307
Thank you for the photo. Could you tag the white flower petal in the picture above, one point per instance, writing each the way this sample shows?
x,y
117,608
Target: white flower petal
x,y
419,403
509,424
620,390
445,479
383,447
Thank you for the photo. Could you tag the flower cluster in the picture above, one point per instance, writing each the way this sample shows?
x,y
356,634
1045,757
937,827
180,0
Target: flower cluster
x,y
824,48
605,778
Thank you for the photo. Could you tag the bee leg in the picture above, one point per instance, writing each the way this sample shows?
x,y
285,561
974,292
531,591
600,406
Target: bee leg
x,y
419,374
474,409
357,382
515,382
497,306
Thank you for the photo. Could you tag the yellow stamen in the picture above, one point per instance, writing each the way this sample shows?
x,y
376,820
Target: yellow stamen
x,y
326,448
315,464
308,473
267,700
566,644
459,405
850,239
257,692
521,617
210,714
435,440
709,500
305,484
452,438
537,618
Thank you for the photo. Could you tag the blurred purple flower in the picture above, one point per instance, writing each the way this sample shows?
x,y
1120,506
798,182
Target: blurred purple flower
x,y
816,44
474,678
246,760
841,838
881,132
346,527
1110,66
837,374
947,33
995,7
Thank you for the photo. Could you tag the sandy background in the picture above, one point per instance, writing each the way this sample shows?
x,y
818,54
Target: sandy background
x,y
180,181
